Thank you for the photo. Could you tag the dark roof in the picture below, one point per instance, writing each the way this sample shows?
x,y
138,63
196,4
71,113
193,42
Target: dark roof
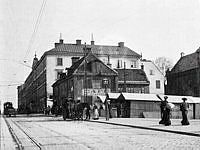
x,y
132,75
187,62
74,66
89,58
96,49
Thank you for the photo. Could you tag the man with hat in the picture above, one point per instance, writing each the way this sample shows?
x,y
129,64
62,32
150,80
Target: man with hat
x,y
184,109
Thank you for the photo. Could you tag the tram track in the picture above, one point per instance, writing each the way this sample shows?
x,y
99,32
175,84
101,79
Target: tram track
x,y
14,136
20,146
38,145
64,136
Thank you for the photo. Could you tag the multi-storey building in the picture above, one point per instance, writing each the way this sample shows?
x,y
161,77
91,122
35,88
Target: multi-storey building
x,y
84,81
38,85
184,78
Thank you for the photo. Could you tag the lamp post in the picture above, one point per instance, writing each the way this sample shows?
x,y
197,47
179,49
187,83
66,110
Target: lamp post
x,y
105,82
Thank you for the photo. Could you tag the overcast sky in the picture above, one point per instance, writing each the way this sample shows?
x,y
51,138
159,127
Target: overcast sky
x,y
154,28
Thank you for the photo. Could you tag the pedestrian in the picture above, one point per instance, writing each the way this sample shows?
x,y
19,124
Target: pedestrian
x,y
48,110
162,107
87,112
65,110
96,113
165,111
184,109
167,114
84,112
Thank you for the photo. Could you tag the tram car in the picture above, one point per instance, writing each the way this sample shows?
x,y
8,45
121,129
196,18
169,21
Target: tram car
x,y
9,110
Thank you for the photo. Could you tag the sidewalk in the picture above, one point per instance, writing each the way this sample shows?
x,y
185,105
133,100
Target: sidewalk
x,y
6,139
153,124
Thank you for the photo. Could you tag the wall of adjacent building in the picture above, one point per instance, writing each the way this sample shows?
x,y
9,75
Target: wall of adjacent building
x,y
153,74
53,68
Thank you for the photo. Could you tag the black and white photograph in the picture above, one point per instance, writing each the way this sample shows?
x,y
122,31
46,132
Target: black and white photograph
x,y
99,74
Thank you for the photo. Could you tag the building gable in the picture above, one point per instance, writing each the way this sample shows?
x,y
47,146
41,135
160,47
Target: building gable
x,y
185,63
93,66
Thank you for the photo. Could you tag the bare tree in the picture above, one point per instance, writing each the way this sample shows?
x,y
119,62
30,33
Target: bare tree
x,y
163,64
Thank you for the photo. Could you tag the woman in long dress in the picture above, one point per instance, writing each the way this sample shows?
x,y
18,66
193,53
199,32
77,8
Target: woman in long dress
x,y
184,109
96,113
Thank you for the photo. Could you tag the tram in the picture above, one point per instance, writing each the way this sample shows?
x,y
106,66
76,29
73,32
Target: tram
x,y
9,110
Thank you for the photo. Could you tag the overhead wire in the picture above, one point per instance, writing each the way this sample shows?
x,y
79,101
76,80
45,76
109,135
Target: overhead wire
x,y
37,23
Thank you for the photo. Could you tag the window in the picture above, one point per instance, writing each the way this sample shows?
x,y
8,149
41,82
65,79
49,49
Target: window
x,y
119,64
133,64
157,84
59,61
151,72
59,72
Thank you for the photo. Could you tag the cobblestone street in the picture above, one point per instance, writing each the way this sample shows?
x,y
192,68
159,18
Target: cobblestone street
x,y
54,133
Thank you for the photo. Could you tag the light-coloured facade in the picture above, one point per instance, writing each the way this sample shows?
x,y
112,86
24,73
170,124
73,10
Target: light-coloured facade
x,y
38,85
155,77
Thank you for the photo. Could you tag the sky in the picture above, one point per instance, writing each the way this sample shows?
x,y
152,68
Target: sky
x,y
155,28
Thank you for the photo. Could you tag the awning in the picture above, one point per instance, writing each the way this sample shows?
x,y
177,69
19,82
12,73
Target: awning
x,y
110,95
102,97
149,97
114,95
140,97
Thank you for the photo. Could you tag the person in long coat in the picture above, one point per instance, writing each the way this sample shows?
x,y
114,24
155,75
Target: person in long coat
x,y
184,109
162,106
87,112
96,113
65,110
165,111
167,114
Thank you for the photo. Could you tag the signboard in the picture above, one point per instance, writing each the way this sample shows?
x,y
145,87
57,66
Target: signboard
x,y
92,92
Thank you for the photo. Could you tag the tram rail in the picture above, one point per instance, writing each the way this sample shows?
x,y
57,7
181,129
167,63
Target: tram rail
x,y
19,144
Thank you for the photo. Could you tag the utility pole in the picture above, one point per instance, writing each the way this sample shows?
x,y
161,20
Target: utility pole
x,y
107,101
124,88
85,74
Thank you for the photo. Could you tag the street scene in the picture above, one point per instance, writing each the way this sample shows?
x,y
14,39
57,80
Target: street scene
x,y
101,74
40,132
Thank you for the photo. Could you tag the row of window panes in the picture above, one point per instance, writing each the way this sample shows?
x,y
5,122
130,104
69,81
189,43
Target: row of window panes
x,y
119,65
133,90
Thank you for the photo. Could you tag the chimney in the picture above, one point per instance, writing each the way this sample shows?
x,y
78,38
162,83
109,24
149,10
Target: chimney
x,y
60,42
121,44
182,54
74,60
78,42
56,44
109,64
142,66
92,40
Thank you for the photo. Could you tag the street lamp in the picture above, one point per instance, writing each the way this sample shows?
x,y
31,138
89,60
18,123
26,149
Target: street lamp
x,y
107,101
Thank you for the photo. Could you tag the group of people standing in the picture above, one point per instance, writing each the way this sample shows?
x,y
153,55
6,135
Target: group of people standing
x,y
79,111
166,112
88,110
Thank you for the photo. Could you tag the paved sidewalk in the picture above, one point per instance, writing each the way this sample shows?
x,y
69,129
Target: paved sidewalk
x,y
153,124
6,139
